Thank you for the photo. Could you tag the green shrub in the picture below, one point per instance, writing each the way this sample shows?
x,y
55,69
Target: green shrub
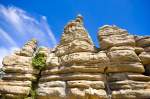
x,y
39,61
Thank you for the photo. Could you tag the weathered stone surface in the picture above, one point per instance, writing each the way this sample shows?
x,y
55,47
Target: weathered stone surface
x,y
129,84
110,36
85,57
108,30
127,76
123,56
74,46
86,84
15,83
17,60
117,41
28,49
147,49
51,93
19,77
52,60
53,84
85,76
17,90
145,57
122,48
78,93
142,41
20,69
133,67
131,94
85,73
137,50
76,69
75,30
68,77
19,73
99,68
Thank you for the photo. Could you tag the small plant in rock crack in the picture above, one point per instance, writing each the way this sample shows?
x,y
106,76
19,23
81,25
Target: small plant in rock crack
x,y
39,61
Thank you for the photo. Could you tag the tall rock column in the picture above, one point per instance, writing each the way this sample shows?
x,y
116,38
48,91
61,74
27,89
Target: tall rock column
x,y
19,73
74,68
124,73
82,67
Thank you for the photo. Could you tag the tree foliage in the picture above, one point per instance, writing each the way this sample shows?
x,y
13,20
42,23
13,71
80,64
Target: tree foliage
x,y
39,61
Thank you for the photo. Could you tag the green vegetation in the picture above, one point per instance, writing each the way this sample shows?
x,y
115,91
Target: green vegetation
x,y
39,61
33,94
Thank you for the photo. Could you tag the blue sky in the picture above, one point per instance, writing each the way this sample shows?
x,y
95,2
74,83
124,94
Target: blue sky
x,y
21,20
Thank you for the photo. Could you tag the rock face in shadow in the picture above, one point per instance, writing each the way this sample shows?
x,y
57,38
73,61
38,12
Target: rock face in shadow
x,y
76,69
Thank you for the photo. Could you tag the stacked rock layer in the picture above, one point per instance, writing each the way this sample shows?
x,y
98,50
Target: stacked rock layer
x,y
125,71
17,82
144,42
76,69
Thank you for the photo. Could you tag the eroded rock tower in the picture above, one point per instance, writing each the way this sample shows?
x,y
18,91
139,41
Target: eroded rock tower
x,y
76,69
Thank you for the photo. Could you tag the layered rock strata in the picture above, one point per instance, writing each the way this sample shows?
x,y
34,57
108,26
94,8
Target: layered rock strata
x,y
19,73
125,77
144,42
76,69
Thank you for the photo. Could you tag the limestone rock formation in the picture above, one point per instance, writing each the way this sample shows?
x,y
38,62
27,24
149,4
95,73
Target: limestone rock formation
x,y
75,39
17,82
125,78
73,68
76,69
110,36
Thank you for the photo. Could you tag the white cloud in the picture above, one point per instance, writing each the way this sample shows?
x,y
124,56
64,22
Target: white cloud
x,y
5,36
17,26
48,30
25,26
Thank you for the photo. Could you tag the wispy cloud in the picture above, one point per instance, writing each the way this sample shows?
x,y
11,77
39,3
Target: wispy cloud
x,y
17,26
5,36
17,22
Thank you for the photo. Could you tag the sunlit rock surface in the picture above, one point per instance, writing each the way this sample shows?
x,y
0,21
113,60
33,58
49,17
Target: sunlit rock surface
x,y
76,69
19,73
